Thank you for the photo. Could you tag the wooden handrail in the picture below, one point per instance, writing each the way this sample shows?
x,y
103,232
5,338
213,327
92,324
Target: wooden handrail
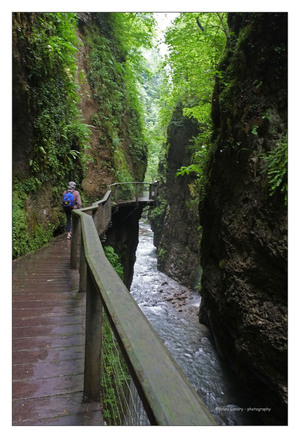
x,y
167,396
137,188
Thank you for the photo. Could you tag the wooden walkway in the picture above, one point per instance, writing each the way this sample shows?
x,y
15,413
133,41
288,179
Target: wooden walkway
x,y
48,341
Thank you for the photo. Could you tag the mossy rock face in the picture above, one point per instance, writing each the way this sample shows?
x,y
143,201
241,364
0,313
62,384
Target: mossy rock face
x,y
175,219
244,241
69,92
118,149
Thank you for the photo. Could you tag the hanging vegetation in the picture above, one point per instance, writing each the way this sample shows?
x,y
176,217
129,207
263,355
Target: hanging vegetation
x,y
54,148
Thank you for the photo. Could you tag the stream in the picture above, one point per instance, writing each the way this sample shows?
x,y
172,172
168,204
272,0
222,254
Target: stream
x,y
172,310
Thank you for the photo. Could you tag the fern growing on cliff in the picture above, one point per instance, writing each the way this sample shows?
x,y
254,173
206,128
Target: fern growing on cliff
x,y
199,167
49,59
276,168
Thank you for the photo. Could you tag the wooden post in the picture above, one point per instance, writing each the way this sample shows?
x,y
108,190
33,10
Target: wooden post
x,y
93,341
154,190
75,241
83,268
151,191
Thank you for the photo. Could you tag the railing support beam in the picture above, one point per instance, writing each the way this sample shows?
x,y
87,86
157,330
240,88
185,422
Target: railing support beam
x,y
93,341
83,269
136,193
75,241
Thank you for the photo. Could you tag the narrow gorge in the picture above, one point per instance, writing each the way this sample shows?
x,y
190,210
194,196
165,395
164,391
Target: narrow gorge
x,y
95,102
75,117
243,255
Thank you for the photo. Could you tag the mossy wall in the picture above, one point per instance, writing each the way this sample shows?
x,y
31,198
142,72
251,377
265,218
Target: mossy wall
x,y
244,215
109,103
73,118
175,219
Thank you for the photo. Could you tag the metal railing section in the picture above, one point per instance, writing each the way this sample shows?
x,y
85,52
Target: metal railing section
x,y
167,396
121,404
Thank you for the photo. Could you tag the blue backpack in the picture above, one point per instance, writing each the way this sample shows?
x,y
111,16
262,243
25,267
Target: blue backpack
x,y
68,200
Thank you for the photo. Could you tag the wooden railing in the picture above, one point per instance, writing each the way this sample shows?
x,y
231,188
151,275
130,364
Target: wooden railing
x,y
133,191
167,396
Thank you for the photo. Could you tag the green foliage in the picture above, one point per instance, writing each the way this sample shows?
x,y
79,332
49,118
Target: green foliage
x,y
114,260
162,253
150,94
23,240
276,165
19,227
60,136
115,372
196,42
48,43
122,173
157,215
194,55
134,32
199,166
27,234
116,66
254,78
114,377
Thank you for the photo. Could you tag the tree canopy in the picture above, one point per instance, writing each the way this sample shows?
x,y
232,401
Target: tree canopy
x,y
195,43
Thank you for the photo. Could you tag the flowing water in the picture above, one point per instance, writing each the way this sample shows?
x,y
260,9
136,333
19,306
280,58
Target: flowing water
x,y
172,310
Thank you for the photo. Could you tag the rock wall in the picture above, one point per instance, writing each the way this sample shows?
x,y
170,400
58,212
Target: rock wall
x,y
123,236
118,150
244,242
175,221
68,79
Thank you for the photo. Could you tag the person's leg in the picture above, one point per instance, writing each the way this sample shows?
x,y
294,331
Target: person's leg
x,y
68,228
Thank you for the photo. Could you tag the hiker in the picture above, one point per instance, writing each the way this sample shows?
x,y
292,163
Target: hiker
x,y
71,199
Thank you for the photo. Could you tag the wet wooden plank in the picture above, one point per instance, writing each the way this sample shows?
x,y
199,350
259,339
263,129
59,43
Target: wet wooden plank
x,y
48,325
47,342
23,371
40,312
47,355
46,330
42,319
57,410
48,386
45,297
87,418
34,304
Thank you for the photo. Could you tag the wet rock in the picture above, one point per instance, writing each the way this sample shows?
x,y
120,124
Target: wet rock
x,y
244,243
175,227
